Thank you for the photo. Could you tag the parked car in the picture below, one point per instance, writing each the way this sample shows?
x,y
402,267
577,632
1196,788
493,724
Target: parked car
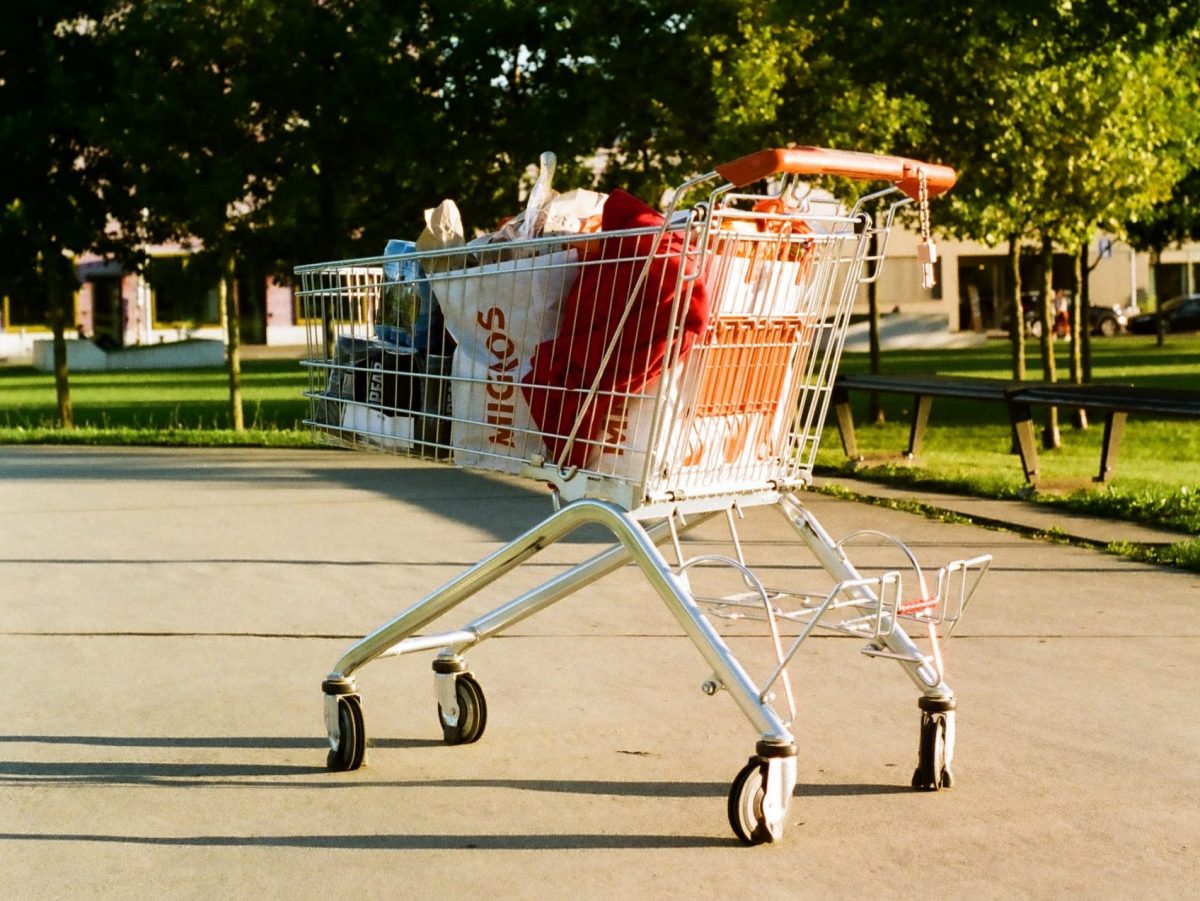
x,y
1106,321
1180,314
1030,313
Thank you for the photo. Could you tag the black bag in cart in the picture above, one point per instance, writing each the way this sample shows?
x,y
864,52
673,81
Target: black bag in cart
x,y
374,390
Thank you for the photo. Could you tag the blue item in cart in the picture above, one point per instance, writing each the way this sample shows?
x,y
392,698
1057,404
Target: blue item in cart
x,y
400,270
428,314
393,335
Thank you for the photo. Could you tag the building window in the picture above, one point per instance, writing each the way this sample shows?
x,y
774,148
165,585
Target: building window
x,y
1176,279
22,311
1170,280
184,289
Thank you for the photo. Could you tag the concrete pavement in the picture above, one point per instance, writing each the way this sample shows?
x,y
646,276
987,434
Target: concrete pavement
x,y
166,618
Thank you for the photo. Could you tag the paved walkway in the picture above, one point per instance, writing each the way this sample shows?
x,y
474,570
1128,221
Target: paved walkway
x,y
166,618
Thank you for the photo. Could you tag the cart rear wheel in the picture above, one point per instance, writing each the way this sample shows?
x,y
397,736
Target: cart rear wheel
x,y
351,748
932,773
746,804
472,713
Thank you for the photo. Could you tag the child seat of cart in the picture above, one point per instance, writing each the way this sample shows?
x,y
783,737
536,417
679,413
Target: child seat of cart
x,y
593,394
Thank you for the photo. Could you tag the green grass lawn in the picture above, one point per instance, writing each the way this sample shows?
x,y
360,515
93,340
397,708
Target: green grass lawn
x,y
160,407
966,447
971,440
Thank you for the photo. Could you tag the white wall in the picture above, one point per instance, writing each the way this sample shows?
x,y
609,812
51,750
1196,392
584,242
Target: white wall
x,y
1120,278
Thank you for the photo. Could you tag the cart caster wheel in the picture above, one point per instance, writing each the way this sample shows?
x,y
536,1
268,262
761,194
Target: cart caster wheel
x,y
472,713
933,771
350,751
746,804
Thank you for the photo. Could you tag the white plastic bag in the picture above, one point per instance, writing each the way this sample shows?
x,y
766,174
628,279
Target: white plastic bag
x,y
499,313
443,229
548,213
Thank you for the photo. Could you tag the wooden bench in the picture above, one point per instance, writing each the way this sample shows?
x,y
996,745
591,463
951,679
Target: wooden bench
x,y
923,388
1115,402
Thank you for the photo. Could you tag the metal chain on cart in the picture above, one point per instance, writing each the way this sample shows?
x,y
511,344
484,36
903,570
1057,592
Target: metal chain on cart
x,y
926,250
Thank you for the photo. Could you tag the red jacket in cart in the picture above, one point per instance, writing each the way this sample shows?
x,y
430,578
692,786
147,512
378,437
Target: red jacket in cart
x,y
565,367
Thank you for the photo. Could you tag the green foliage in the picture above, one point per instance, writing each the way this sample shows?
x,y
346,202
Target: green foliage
x,y
1175,220
288,131
753,71
57,184
1181,555
53,80
1177,508
781,76
298,131
1070,128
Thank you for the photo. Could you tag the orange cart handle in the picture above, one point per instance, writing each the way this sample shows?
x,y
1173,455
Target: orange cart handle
x,y
901,172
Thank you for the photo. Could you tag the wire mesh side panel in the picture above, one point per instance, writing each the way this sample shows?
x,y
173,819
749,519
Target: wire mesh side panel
x,y
497,355
381,354
746,411
648,363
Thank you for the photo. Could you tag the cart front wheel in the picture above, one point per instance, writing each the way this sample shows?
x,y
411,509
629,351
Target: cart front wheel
x,y
468,726
932,772
746,804
350,749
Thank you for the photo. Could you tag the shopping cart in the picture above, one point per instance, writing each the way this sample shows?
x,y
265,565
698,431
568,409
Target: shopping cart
x,y
661,372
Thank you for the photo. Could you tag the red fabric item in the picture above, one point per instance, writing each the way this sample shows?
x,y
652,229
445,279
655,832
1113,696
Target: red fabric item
x,y
591,312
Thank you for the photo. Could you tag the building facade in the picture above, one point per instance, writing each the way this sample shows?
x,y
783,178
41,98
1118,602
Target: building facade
x,y
973,279
176,296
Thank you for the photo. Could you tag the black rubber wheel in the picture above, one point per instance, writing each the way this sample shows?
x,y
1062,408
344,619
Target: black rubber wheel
x,y
745,804
1108,327
351,750
932,773
472,713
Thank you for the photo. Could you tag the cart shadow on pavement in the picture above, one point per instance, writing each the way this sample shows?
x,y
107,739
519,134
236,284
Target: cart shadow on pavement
x,y
182,775
397,842
201,773
285,776
493,503
500,505
240,741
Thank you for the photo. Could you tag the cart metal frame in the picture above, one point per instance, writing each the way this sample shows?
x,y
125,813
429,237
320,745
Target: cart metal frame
x,y
763,368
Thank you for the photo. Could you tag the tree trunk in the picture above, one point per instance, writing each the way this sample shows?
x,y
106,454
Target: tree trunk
x,y
1080,327
57,293
1085,302
1016,332
1159,326
1050,437
1152,274
876,412
233,326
